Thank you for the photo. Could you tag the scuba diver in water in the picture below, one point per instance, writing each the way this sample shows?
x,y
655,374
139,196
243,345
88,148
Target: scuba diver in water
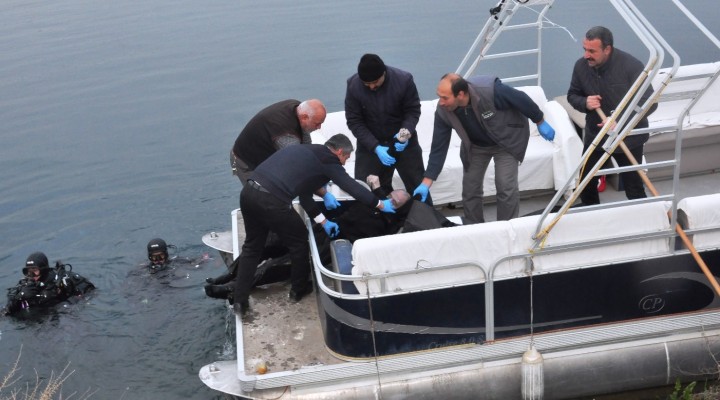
x,y
44,287
163,265
158,257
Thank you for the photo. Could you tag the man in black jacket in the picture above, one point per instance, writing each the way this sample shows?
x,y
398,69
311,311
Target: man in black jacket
x,y
278,125
266,204
600,79
382,106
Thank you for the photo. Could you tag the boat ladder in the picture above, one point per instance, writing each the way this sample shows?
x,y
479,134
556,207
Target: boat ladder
x,y
666,92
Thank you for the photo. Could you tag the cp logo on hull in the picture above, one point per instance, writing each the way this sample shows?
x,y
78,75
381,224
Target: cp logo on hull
x,y
651,304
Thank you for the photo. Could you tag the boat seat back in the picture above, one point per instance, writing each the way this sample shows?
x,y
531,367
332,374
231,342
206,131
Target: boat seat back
x,y
501,248
547,165
424,252
341,256
701,212
582,227
687,78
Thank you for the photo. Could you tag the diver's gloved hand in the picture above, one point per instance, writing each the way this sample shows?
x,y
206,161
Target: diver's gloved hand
x,y
332,229
330,201
385,158
388,207
210,280
546,131
422,190
28,292
400,145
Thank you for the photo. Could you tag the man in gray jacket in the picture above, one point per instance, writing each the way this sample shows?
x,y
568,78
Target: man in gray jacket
x,y
491,119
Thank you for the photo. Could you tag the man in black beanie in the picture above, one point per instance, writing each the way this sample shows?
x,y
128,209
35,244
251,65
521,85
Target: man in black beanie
x,y
381,105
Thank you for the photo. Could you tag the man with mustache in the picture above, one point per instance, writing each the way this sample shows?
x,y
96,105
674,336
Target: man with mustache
x,y
491,119
600,79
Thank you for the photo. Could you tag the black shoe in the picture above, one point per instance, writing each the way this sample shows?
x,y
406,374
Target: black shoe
x,y
298,295
241,308
218,291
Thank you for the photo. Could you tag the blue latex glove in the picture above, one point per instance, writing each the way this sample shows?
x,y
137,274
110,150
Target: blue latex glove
x,y
400,146
546,131
385,158
332,229
330,201
422,190
388,206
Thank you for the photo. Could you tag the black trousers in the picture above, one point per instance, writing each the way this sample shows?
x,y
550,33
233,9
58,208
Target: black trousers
x,y
409,164
632,182
262,212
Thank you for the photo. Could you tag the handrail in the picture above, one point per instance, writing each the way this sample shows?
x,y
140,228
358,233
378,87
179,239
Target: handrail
x,y
489,272
499,22
382,277
676,129
652,41
695,96
697,23
657,47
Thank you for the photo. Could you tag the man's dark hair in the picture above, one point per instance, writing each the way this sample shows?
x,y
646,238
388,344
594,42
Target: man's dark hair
x,y
457,83
340,142
602,33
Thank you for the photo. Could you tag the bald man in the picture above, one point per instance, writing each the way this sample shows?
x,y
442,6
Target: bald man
x,y
279,125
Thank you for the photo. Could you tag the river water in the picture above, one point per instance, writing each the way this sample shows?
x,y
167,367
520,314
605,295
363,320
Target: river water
x,y
116,118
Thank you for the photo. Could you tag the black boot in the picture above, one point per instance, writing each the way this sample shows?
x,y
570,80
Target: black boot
x,y
297,295
241,308
218,291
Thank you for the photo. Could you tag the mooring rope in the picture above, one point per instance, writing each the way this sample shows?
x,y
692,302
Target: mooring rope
x,y
532,310
533,386
372,333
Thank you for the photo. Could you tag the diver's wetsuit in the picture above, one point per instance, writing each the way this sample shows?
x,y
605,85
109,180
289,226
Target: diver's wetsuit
x,y
54,286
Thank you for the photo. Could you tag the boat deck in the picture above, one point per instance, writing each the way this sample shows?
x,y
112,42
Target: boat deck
x,y
281,334
287,336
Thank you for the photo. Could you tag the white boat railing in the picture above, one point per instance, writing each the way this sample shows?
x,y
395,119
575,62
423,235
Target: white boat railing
x,y
500,21
501,16
657,47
